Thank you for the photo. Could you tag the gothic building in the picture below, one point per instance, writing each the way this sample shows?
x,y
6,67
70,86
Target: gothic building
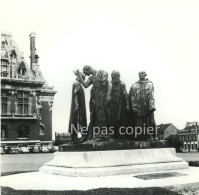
x,y
26,98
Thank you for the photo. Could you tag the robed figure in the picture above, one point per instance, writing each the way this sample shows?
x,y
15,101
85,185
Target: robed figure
x,y
100,94
78,118
142,103
118,106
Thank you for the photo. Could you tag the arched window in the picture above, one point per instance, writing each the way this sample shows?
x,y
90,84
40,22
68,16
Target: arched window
x,y
42,129
23,132
4,131
22,69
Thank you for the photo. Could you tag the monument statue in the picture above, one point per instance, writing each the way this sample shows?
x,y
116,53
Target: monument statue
x,y
119,104
100,95
78,109
105,156
142,103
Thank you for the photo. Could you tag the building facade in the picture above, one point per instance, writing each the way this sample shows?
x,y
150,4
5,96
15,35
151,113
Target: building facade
x,y
190,137
165,130
26,98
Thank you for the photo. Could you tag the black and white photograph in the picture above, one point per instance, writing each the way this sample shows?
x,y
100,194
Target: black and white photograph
x,y
99,97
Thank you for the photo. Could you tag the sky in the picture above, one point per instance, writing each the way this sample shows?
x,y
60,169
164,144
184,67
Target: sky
x,y
160,37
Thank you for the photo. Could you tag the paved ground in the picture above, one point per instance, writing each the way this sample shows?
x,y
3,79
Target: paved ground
x,y
32,162
189,156
24,162
42,181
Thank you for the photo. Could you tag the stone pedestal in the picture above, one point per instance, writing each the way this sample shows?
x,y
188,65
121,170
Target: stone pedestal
x,y
113,162
100,144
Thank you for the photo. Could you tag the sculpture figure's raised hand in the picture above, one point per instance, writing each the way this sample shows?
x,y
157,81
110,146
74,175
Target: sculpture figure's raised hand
x,y
77,73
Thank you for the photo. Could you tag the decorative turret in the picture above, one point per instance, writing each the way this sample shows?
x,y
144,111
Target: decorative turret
x,y
32,50
34,65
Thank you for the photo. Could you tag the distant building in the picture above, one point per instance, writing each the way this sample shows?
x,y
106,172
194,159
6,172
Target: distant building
x,y
165,130
190,136
62,138
26,98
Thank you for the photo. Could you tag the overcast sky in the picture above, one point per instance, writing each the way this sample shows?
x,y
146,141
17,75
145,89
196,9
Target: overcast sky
x,y
160,37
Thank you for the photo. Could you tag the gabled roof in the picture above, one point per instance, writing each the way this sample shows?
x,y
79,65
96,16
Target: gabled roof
x,y
20,60
32,73
164,126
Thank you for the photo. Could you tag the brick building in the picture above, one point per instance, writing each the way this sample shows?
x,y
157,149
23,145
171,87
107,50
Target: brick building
x,y
26,98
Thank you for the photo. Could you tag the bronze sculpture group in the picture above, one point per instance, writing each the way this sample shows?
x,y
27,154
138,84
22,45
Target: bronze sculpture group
x,y
111,106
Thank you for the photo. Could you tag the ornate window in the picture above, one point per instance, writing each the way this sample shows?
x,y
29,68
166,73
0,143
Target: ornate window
x,y
22,98
4,68
4,102
23,132
22,68
41,130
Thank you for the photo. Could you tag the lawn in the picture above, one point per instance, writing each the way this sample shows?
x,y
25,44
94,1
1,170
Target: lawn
x,y
106,191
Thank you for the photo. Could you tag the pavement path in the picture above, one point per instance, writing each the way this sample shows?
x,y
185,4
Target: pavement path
x,y
24,162
189,156
42,181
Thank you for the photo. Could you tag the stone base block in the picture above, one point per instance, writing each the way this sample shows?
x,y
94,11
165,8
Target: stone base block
x,y
115,162
109,171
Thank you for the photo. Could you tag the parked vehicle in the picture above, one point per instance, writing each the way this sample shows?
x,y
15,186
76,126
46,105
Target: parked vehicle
x,y
34,149
53,149
13,150
56,148
28,147
2,150
17,147
6,149
44,149
23,150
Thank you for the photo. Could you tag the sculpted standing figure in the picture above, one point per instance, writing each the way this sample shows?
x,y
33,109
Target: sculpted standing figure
x,y
100,94
78,110
142,104
118,105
